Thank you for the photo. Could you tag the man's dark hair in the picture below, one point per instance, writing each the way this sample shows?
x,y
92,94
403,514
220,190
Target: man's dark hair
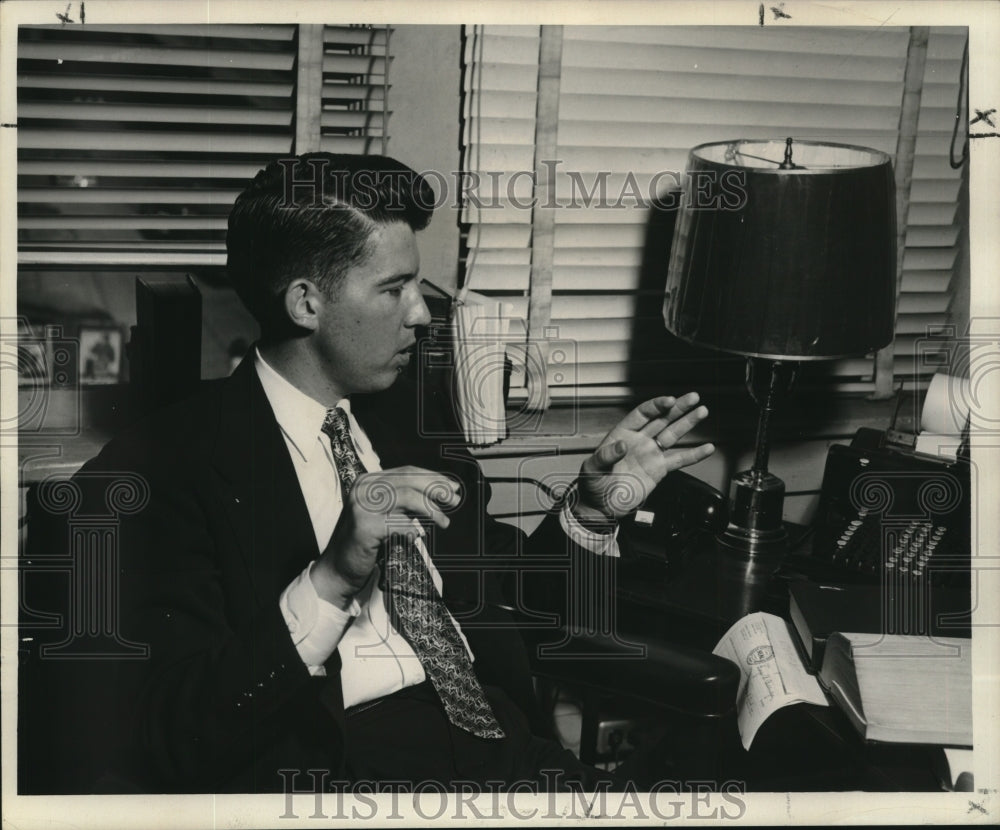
x,y
312,215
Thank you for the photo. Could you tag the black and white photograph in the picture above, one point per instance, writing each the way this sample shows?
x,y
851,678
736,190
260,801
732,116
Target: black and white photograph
x,y
30,354
500,413
100,354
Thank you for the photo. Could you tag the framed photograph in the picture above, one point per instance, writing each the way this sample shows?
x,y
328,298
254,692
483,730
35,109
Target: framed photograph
x,y
100,354
32,355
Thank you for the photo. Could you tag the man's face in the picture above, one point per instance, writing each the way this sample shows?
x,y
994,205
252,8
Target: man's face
x,y
366,331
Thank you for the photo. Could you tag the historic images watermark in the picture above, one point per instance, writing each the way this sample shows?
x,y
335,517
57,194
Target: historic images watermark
x,y
89,509
515,189
41,363
555,797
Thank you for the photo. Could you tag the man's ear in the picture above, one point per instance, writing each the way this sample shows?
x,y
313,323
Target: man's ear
x,y
303,303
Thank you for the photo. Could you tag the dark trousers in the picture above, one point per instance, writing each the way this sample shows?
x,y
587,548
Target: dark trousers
x,y
406,738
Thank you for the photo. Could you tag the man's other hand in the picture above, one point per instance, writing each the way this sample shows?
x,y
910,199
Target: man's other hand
x,y
635,456
379,504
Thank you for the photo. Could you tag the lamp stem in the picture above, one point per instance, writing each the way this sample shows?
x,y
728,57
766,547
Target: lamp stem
x,y
766,407
755,519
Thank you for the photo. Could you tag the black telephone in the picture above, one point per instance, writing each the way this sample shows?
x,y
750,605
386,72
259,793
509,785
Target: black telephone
x,y
889,514
680,506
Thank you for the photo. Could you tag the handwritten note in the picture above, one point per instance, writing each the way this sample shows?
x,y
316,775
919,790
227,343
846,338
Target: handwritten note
x,y
773,675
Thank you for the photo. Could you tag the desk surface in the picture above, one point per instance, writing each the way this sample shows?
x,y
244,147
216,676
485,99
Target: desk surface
x,y
712,589
799,748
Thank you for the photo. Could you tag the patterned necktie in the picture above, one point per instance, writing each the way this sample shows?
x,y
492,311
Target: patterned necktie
x,y
416,609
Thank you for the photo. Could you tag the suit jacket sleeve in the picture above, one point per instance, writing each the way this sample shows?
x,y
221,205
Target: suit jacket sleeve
x,y
224,679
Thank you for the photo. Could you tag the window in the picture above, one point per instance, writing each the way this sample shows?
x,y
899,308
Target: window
x,y
134,141
630,103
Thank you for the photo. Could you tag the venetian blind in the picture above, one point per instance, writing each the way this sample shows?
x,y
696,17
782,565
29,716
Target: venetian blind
x,y
936,212
633,101
355,117
500,95
133,141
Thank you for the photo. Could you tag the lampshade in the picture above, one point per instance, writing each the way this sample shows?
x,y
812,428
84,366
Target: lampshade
x,y
784,249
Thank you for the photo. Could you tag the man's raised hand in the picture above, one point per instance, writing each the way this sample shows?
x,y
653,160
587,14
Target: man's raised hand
x,y
635,456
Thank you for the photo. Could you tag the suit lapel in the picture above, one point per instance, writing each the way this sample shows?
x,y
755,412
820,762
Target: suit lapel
x,y
266,507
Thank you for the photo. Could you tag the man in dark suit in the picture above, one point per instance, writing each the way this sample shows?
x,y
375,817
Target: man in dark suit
x,y
290,534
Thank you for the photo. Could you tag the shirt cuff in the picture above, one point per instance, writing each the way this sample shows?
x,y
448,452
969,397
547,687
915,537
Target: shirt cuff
x,y
316,626
603,544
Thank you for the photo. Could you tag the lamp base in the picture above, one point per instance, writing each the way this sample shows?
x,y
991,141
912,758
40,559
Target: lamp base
x,y
756,505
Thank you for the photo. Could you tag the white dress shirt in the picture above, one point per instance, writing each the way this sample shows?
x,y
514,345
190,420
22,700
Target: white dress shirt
x,y
375,659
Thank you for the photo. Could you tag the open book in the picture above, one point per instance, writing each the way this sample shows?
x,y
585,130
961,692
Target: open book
x,y
902,689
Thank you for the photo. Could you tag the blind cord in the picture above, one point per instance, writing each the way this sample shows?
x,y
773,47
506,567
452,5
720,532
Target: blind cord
x,y
477,91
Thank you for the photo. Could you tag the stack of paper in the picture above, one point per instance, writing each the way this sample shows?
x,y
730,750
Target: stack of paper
x,y
480,338
944,417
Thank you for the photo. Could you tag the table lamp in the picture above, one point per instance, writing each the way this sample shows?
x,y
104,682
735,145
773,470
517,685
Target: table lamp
x,y
783,251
